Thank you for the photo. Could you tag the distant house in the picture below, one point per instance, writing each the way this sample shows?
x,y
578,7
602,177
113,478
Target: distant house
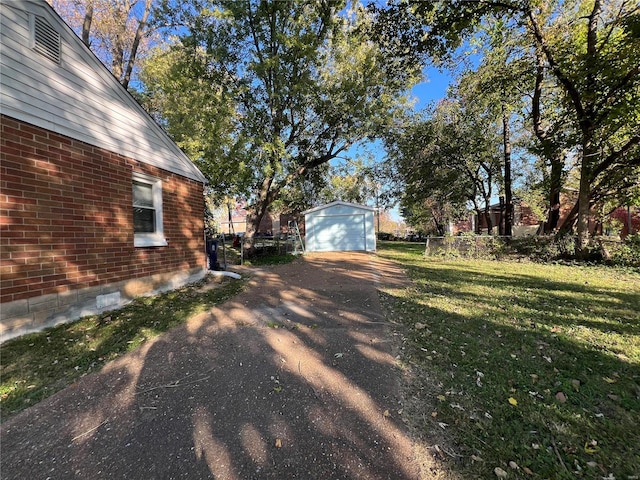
x,y
97,204
524,221
232,219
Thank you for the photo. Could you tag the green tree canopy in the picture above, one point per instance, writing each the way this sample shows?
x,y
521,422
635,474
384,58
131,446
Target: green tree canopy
x,y
261,93
589,48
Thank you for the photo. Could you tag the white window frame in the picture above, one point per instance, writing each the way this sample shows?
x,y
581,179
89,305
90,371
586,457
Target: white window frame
x,y
155,239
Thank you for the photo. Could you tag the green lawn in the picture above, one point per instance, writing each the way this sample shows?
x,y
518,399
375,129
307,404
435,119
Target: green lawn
x,y
537,365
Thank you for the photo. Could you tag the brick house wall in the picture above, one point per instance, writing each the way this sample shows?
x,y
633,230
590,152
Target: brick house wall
x,y
66,229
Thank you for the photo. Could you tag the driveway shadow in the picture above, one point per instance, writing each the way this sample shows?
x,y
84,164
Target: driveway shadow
x,y
296,378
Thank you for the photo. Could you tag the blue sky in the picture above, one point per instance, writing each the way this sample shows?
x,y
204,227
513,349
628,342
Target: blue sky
x,y
433,88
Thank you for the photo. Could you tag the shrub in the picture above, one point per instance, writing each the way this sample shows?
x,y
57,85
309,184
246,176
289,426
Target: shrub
x,y
628,254
467,245
545,248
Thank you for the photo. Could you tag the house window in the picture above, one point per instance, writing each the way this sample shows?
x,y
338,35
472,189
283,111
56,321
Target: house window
x,y
147,211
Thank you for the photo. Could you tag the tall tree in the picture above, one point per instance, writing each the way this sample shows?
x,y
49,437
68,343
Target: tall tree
x,y
599,70
590,47
117,31
304,80
446,161
553,134
496,88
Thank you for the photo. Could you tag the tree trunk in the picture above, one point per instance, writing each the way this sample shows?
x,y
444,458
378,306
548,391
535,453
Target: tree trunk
x,y
86,24
501,218
257,213
587,124
487,216
582,241
508,195
555,185
140,31
552,152
117,59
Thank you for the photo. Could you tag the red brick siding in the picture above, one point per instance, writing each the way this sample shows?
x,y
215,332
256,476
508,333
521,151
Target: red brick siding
x,y
527,217
66,218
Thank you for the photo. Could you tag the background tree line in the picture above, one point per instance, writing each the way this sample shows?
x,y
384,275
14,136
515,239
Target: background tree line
x,y
561,77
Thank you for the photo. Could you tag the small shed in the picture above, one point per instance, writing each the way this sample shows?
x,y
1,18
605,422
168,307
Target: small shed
x,y
340,226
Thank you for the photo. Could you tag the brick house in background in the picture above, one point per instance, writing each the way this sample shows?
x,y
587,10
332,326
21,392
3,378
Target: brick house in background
x,y
97,204
524,221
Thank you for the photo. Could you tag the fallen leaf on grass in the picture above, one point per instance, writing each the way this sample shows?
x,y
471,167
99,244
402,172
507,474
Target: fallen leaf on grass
x,y
527,470
561,397
591,447
500,473
576,385
609,380
278,443
514,465
386,413
420,326
442,398
443,425
513,401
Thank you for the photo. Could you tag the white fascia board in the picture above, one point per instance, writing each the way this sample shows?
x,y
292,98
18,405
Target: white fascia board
x,y
339,202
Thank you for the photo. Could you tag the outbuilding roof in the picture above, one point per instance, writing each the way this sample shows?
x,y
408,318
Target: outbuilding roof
x,y
339,202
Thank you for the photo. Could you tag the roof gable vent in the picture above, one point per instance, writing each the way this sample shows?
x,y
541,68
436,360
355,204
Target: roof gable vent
x,y
46,39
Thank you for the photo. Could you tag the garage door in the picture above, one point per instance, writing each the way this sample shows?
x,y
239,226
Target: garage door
x,y
338,233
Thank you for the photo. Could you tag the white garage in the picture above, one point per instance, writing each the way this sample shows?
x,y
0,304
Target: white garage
x,y
340,226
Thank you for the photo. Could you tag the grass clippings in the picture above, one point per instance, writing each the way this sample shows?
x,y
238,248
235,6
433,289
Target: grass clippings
x,y
35,366
528,369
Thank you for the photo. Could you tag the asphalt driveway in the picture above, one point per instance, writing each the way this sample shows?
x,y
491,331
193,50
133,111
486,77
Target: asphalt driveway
x,y
295,378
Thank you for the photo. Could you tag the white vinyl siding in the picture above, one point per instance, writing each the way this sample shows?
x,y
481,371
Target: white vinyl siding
x,y
77,97
340,226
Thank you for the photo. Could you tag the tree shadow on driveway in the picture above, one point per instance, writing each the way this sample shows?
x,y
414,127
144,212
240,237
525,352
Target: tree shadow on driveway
x,y
296,378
